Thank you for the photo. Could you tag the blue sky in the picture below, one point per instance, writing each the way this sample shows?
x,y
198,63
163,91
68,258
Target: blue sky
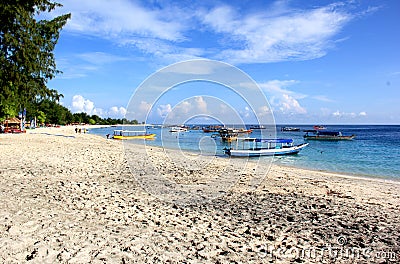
x,y
325,62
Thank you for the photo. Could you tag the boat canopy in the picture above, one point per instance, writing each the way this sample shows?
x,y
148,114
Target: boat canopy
x,y
328,133
129,131
269,140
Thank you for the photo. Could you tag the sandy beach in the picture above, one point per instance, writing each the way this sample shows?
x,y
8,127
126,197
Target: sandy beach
x,y
77,198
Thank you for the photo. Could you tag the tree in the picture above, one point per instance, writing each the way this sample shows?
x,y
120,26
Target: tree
x,y
26,53
55,113
41,117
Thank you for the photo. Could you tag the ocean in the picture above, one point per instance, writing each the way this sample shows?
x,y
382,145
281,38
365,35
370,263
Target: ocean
x,y
374,152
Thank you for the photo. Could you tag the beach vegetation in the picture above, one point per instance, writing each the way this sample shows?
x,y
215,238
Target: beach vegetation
x,y
27,61
41,117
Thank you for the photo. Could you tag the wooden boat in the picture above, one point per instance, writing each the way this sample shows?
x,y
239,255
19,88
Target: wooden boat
x,y
178,129
127,134
290,129
228,135
255,147
242,131
254,127
326,135
319,127
210,129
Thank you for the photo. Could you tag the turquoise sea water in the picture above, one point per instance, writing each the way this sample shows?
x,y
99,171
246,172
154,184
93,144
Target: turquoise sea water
x,y
375,152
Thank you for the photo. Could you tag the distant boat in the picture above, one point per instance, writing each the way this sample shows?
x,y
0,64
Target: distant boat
x,y
228,135
178,129
127,134
242,131
290,129
254,127
255,147
326,135
210,129
319,127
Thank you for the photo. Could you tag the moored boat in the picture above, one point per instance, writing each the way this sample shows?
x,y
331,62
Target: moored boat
x,y
228,135
290,129
319,127
254,127
178,129
210,129
242,131
127,134
255,147
327,135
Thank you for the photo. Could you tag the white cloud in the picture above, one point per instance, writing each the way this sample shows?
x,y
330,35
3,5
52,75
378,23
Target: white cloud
x,y
281,99
362,114
201,105
144,107
117,112
80,104
165,50
203,67
279,87
183,108
275,33
98,111
121,19
339,114
290,105
193,106
322,98
277,36
164,110
264,111
99,58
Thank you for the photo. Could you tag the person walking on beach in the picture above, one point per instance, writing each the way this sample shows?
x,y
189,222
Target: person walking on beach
x,y
76,130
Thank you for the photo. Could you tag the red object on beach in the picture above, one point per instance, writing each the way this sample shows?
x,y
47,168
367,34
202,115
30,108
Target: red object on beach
x,y
13,130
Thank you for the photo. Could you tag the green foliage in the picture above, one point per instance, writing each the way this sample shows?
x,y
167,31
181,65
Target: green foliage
x,y
41,117
55,113
51,112
27,63
26,53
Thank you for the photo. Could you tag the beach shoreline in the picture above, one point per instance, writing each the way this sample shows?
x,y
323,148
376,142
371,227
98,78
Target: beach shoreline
x,y
70,197
307,159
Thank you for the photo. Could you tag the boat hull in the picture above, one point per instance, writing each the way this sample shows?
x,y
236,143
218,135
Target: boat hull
x,y
329,138
147,136
265,152
229,139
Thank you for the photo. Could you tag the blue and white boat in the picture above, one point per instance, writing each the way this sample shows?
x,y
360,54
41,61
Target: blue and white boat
x,y
255,147
326,135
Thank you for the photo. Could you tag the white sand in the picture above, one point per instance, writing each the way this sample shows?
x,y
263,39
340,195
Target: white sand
x,y
75,198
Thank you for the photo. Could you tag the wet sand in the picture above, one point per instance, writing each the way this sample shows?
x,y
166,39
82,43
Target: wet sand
x,y
77,198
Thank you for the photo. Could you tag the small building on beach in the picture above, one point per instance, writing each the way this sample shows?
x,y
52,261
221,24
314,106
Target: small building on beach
x,y
11,125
